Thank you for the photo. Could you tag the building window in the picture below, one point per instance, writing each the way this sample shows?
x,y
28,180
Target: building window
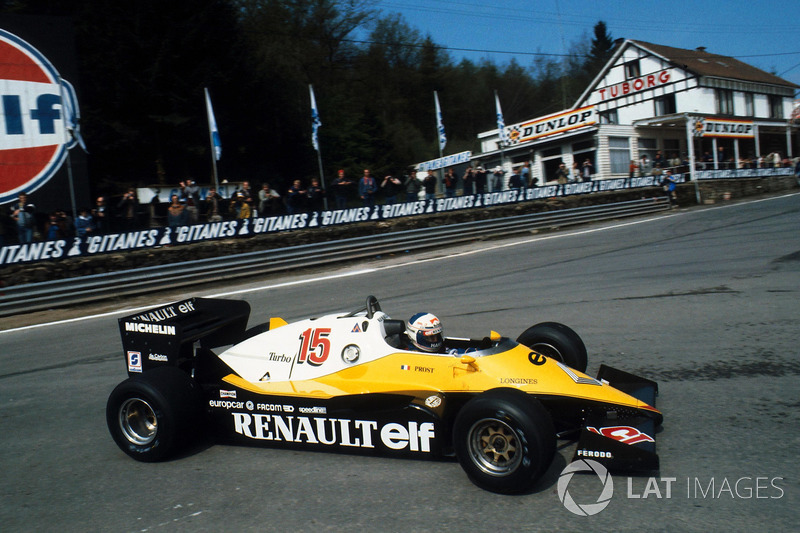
x,y
775,106
609,117
749,105
724,99
665,105
632,69
619,153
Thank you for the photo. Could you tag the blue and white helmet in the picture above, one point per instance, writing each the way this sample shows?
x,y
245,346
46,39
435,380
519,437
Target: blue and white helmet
x,y
425,332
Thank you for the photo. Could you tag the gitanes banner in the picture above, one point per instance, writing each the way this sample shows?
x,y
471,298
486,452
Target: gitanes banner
x,y
245,228
38,111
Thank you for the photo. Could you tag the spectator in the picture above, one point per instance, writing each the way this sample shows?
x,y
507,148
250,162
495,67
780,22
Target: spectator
x,y
575,172
100,215
295,198
561,174
721,157
84,224
239,208
450,181
632,167
391,187
67,229
706,159
429,183
480,180
367,188
267,200
127,207
55,230
644,166
525,173
669,186
515,181
247,193
176,213
468,180
587,170
497,179
658,160
412,186
657,172
213,207
24,215
190,194
341,189
315,195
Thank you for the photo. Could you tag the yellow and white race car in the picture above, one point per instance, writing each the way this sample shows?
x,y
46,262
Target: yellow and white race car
x,y
357,382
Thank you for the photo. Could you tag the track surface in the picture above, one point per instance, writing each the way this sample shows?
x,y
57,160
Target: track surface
x,y
705,301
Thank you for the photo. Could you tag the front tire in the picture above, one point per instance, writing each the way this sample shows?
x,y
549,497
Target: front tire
x,y
154,415
504,440
556,341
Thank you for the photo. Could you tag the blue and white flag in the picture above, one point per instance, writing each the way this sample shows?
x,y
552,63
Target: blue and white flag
x,y
212,128
501,123
315,121
72,115
439,124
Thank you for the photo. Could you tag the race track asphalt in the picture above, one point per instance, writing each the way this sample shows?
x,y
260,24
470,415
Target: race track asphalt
x,y
705,301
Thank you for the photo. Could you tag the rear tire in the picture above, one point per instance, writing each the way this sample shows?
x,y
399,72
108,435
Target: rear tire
x,y
504,440
154,415
558,342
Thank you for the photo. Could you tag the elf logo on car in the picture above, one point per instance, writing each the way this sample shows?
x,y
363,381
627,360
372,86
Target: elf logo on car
x,y
33,131
334,431
625,434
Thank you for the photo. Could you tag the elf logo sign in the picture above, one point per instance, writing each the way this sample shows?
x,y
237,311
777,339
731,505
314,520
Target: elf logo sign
x,y
37,110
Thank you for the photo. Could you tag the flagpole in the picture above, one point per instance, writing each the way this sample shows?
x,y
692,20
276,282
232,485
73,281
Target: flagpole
x,y
315,124
211,127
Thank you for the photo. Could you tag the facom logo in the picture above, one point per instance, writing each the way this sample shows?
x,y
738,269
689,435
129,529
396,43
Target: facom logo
x,y
34,103
588,509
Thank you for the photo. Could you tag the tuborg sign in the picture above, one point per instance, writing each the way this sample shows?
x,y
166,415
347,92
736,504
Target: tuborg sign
x,y
34,135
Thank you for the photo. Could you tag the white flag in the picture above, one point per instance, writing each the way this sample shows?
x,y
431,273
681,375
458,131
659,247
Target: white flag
x,y
501,123
212,128
315,121
439,124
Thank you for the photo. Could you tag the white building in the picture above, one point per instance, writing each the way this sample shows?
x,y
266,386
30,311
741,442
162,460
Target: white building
x,y
685,104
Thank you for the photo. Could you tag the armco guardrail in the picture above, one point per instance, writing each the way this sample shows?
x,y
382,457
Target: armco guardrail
x,y
44,295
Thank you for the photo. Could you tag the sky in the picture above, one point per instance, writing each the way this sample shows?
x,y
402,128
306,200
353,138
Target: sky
x,y
763,33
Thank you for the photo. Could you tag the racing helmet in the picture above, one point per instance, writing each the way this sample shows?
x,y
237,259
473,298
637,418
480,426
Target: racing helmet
x,y
425,332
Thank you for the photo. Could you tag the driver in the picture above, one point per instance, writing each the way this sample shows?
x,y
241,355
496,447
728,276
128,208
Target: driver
x,y
424,331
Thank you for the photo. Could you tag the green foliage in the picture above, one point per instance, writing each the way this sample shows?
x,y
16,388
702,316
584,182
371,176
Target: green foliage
x,y
144,63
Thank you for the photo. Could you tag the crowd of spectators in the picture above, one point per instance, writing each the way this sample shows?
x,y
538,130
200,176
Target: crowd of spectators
x,y
22,223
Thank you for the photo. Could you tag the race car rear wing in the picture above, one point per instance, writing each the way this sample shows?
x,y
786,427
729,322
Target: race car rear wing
x,y
166,335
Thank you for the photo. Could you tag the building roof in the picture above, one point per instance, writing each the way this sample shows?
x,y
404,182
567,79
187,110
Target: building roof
x,y
713,65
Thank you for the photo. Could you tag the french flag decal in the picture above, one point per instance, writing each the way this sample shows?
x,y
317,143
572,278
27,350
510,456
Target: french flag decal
x,y
405,367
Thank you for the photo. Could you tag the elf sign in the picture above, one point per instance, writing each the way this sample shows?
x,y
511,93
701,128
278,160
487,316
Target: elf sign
x,y
38,113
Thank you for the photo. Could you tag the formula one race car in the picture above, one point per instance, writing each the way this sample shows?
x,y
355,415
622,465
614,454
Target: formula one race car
x,y
351,382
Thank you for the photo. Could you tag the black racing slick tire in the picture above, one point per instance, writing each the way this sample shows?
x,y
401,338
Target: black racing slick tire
x,y
505,440
154,415
557,341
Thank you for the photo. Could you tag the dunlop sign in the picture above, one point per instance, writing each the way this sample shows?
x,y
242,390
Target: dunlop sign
x,y
552,124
